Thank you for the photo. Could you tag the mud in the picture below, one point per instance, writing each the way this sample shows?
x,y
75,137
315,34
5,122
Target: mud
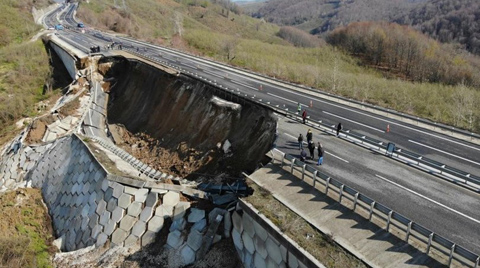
x,y
178,124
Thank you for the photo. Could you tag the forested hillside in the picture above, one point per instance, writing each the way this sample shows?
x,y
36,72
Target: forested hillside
x,y
448,20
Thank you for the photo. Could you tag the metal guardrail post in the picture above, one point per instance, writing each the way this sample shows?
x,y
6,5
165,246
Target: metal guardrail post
x,y
355,201
291,166
477,262
389,219
430,239
451,255
326,185
409,228
341,193
371,211
303,172
314,178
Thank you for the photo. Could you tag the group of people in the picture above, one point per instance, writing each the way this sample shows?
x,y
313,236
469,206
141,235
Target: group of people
x,y
94,49
311,148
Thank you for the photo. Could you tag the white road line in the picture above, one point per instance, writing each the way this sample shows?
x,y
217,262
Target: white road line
x,y
325,151
429,199
214,74
447,153
358,123
191,66
276,96
381,119
238,83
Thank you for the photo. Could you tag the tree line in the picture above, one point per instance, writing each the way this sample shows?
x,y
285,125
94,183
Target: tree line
x,y
405,52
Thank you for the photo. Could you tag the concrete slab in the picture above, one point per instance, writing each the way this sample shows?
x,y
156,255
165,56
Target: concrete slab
x,y
196,215
135,209
127,223
155,224
175,239
171,199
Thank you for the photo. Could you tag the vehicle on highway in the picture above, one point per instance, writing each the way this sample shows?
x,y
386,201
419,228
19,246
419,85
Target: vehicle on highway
x,y
58,27
80,25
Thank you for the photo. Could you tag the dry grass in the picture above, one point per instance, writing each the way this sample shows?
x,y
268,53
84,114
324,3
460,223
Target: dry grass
x,y
26,230
320,245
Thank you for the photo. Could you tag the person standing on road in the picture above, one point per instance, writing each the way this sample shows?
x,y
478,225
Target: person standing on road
x,y
300,142
339,127
304,116
309,135
299,108
320,154
311,148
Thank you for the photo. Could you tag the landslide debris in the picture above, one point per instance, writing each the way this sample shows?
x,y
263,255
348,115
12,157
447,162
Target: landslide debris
x,y
182,126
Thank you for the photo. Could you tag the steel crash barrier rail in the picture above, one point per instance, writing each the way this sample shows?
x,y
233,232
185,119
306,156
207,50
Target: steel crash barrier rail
x,y
382,212
400,154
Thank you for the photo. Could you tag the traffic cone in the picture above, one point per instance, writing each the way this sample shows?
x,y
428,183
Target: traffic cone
x,y
311,104
388,128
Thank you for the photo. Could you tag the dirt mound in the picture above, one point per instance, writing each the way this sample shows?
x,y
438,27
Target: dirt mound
x,y
180,125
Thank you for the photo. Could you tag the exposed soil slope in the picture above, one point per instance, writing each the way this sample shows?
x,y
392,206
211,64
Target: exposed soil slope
x,y
184,117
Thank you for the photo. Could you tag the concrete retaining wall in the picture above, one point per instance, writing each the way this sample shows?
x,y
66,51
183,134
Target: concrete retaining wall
x,y
259,243
68,60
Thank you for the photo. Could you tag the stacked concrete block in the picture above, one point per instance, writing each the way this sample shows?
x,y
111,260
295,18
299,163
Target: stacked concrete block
x,y
256,247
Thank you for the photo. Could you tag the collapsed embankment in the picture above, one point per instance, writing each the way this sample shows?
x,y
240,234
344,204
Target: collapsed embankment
x,y
182,118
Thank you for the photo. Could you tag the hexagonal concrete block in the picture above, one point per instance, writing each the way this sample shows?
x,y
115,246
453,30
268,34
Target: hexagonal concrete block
x,y
258,260
260,246
196,215
164,211
152,200
180,210
148,237
188,255
141,195
135,209
125,200
146,214
175,239
119,236
127,223
260,231
96,230
155,224
104,218
178,224
131,239
194,240
139,228
248,225
248,243
292,260
117,190
117,214
237,239
109,227
171,199
200,225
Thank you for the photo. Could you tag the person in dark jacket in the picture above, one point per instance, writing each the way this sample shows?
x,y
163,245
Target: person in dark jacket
x,y
320,154
303,155
339,127
311,148
309,135
300,142
304,116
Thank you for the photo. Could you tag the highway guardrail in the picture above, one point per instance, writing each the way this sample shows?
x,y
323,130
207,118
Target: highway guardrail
x,y
410,228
